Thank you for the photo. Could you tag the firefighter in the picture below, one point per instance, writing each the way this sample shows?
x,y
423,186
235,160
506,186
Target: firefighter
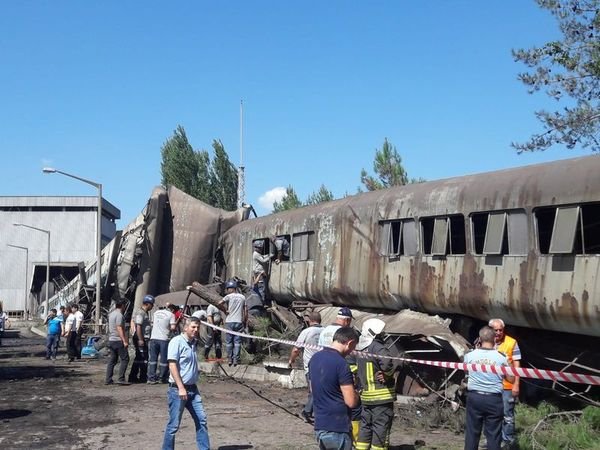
x,y
378,390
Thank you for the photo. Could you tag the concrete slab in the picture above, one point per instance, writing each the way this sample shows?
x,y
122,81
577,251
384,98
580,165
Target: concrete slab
x,y
286,377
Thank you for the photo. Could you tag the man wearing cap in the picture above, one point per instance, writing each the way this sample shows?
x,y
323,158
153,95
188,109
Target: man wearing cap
x,y
378,388
214,337
343,319
260,269
141,338
236,320
163,323
309,336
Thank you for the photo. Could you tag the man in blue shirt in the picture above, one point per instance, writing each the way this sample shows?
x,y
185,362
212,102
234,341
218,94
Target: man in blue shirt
x,y
183,391
333,391
484,396
55,329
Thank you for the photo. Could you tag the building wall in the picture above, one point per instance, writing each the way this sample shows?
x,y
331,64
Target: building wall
x,y
72,239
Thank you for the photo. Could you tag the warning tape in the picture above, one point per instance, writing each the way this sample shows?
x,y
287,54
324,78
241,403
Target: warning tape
x,y
540,374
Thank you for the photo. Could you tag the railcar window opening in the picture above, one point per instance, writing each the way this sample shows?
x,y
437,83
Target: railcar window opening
x,y
569,229
591,228
303,246
458,239
478,229
544,218
285,253
443,235
500,233
398,238
263,245
427,234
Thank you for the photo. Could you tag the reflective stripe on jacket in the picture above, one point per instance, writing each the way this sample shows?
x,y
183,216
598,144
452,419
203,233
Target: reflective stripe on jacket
x,y
373,391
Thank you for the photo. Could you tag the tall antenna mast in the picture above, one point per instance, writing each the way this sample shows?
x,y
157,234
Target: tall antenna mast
x,y
241,194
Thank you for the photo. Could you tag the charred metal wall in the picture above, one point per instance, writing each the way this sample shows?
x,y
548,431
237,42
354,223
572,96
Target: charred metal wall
x,y
560,293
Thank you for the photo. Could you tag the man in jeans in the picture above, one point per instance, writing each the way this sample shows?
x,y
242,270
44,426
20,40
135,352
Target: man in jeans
x,y
509,347
55,329
163,323
117,344
183,392
484,394
237,317
333,391
141,338
309,336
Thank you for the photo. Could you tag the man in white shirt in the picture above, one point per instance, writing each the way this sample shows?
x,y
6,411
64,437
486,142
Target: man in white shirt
x,y
237,317
309,336
72,332
79,328
163,323
343,319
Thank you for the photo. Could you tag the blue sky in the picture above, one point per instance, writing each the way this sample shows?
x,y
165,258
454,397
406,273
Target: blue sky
x,y
95,88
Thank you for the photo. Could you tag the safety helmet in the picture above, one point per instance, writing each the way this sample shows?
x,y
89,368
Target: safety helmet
x,y
231,284
370,329
148,299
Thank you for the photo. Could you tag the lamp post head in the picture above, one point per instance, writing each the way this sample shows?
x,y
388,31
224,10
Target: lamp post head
x,y
49,170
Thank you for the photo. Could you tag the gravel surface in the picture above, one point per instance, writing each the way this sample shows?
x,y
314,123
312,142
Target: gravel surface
x,y
56,404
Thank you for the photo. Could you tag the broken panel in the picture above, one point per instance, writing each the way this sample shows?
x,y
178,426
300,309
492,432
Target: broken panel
x,y
495,233
565,227
440,236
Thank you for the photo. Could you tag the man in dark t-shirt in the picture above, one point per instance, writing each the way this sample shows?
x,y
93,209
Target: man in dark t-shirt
x,y
333,391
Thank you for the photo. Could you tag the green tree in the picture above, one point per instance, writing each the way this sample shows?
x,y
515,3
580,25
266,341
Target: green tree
x,y
179,165
203,189
567,70
322,195
289,201
223,179
388,168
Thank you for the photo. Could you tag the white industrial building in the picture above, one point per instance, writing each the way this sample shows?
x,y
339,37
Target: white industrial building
x,y
71,223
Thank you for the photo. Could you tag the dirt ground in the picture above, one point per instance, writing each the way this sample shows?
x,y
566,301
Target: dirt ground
x,y
56,404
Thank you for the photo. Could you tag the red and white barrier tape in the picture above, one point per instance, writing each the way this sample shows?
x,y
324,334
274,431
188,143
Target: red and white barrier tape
x,y
540,374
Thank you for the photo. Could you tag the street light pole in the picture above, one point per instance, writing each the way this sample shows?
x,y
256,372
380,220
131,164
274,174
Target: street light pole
x,y
47,259
26,272
98,238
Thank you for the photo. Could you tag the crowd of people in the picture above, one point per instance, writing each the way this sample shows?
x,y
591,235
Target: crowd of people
x,y
350,399
67,323
166,354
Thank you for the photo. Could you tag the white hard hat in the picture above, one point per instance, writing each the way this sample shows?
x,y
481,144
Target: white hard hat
x,y
370,329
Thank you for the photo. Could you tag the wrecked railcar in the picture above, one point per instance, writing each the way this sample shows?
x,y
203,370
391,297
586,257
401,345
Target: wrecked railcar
x,y
169,245
522,244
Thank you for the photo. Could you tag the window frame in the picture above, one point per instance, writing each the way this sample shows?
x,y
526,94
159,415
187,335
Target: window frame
x,y
394,241
308,243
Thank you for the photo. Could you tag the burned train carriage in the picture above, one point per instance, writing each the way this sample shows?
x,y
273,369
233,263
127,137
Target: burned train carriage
x,y
522,244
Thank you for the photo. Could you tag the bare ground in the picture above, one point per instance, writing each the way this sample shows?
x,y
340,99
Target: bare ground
x,y
56,404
